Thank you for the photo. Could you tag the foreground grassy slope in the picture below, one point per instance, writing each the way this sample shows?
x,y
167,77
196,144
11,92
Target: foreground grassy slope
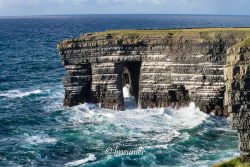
x,y
232,163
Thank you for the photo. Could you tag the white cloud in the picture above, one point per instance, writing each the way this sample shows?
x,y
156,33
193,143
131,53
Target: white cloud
x,y
137,1
44,7
37,2
43,3
182,2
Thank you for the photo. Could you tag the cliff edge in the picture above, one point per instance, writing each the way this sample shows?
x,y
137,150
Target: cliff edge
x,y
237,96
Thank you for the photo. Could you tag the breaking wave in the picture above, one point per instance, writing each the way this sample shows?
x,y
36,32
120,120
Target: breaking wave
x,y
90,157
40,139
173,131
18,93
186,117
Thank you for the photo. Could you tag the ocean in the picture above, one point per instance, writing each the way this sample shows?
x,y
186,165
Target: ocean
x,y
36,130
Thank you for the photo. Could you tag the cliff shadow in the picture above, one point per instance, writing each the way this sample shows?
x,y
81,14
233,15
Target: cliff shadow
x,y
130,83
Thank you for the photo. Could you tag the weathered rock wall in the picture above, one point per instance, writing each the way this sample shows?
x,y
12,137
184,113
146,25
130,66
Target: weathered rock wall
x,y
167,68
210,67
237,97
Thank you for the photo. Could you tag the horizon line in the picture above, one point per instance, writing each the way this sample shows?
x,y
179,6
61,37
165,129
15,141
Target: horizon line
x,y
120,14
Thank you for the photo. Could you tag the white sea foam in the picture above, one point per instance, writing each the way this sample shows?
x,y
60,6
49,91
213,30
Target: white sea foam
x,y
2,158
165,137
159,124
90,157
55,99
154,129
88,113
130,102
187,117
125,91
18,93
40,139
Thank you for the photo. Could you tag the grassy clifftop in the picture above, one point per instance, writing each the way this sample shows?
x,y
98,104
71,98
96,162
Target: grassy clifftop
x,y
232,163
206,33
234,50
131,37
164,31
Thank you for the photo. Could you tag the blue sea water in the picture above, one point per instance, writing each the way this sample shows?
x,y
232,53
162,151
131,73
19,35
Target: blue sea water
x,y
36,130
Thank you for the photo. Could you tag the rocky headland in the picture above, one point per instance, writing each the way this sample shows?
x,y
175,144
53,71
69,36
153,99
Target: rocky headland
x,y
164,68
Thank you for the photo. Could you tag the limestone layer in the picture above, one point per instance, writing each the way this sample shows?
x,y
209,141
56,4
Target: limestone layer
x,y
237,97
165,67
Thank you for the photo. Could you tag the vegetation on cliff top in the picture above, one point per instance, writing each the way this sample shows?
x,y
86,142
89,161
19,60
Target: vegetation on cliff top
x,y
236,48
163,31
192,33
200,31
232,163
245,43
134,36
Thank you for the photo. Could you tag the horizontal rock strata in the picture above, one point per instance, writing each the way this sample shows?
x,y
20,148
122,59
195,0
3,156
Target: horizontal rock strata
x,y
166,67
237,97
163,68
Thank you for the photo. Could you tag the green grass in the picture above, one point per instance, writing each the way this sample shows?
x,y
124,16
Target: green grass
x,y
243,43
246,42
232,163
143,32
236,48
198,33
175,31
154,36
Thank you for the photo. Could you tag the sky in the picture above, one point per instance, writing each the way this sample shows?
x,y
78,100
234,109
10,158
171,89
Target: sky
x,y
64,7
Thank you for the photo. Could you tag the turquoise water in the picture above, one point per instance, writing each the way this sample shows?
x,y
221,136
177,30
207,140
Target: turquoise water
x,y
36,130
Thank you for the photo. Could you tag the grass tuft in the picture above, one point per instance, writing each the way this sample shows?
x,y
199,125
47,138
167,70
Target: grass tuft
x,y
232,163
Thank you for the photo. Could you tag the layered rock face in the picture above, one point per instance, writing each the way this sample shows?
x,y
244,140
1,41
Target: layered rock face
x,y
237,97
165,67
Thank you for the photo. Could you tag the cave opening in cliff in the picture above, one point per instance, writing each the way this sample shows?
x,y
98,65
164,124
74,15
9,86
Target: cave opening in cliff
x,y
130,83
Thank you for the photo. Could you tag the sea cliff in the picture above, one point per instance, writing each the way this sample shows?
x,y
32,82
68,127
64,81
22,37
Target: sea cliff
x,y
163,68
